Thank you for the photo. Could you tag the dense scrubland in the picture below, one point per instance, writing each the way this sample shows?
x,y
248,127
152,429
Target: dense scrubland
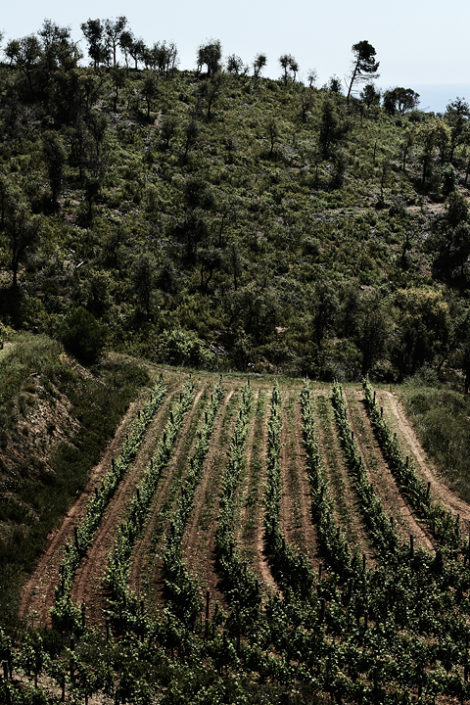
x,y
228,535
220,219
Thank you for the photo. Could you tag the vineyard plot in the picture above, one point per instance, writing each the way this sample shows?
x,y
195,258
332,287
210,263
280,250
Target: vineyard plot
x,y
262,533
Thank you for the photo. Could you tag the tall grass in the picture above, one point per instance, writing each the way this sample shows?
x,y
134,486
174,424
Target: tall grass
x,y
442,421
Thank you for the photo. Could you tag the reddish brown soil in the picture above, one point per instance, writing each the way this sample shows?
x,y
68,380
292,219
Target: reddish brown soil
x,y
87,587
395,415
345,501
199,537
38,593
146,563
379,473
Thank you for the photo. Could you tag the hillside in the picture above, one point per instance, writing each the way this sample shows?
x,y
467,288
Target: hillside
x,y
55,420
234,222
234,376
248,541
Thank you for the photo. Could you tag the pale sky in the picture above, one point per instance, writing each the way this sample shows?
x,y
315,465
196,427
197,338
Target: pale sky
x,y
421,44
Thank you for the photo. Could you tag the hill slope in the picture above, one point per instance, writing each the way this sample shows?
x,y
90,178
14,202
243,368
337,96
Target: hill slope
x,y
228,552
235,222
55,419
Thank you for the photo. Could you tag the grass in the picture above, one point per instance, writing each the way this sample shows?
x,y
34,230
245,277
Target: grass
x,y
441,420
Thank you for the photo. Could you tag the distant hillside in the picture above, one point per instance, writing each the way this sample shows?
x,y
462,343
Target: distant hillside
x,y
228,221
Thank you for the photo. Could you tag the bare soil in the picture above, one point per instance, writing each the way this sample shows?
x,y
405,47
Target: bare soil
x,y
409,441
199,537
38,592
379,473
88,586
260,561
345,500
244,489
146,564
296,506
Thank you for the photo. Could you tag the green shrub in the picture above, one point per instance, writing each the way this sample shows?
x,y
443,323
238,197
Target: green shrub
x,y
180,347
82,335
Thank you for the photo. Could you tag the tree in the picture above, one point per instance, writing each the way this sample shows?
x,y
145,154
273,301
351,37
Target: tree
x,y
234,64
326,310
135,48
258,64
143,278
312,78
422,329
457,115
118,79
197,200
168,129
191,135
82,335
432,136
162,57
58,50
331,128
210,55
18,228
126,42
27,54
98,47
461,343
333,85
364,65
149,91
407,143
373,331
12,50
456,209
210,91
370,96
400,100
289,64
113,32
54,158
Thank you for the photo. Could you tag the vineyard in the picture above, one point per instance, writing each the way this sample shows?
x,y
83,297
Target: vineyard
x,y
251,540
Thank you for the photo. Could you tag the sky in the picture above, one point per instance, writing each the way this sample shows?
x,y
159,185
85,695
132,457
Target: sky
x,y
421,44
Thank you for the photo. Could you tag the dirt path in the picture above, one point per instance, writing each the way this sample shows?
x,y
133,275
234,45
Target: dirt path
x,y
38,593
296,507
146,564
347,511
199,538
243,498
290,519
379,473
260,561
310,541
396,416
87,587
